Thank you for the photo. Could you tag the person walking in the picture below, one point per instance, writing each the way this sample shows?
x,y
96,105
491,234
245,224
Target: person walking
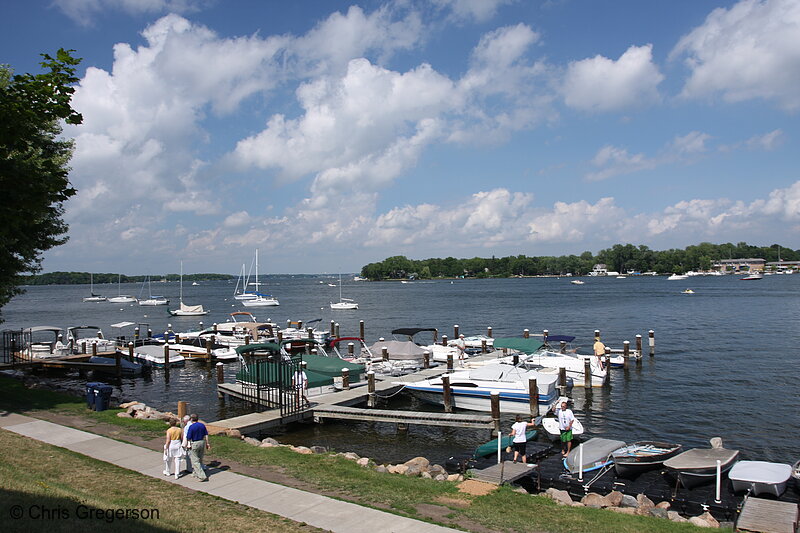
x,y
520,443
461,345
300,385
197,437
565,421
186,422
172,448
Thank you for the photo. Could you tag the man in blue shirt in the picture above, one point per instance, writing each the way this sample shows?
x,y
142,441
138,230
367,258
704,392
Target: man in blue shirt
x,y
197,438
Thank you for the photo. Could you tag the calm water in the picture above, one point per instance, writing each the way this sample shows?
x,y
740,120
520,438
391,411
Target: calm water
x,y
726,357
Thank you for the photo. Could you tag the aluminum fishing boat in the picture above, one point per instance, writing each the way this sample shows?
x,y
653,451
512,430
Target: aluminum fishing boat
x,y
593,454
633,459
760,477
699,465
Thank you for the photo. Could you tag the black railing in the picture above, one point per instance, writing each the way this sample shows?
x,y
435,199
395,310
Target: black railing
x,y
267,383
12,346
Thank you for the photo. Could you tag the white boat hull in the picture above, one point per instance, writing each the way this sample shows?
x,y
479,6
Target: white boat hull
x,y
260,302
344,305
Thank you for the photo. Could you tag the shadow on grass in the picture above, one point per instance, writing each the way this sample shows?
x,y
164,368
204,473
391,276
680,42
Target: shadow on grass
x,y
25,512
14,396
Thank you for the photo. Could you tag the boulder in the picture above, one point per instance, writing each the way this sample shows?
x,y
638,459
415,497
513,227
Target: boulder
x,y
381,469
252,441
319,449
614,498
426,475
420,462
302,450
577,504
629,501
704,520
659,512
676,517
351,456
663,505
561,497
271,441
595,501
127,404
364,461
265,444
435,470
644,501
623,510
123,415
398,469
440,477
413,470
235,433
135,407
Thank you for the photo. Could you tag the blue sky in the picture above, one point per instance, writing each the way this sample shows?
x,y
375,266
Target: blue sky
x,y
332,134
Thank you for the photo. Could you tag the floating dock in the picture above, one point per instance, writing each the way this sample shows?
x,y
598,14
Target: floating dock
x,y
768,516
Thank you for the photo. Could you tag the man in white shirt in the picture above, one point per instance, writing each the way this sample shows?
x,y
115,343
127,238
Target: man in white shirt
x,y
187,421
300,384
461,345
520,443
565,421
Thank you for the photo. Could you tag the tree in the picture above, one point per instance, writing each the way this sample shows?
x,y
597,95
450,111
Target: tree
x,y
33,165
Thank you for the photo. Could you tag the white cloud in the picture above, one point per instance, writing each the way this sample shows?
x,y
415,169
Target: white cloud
x,y
601,84
692,143
472,10
769,141
235,220
613,161
83,12
745,52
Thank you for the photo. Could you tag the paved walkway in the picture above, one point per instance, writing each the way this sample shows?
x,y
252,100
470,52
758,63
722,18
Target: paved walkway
x,y
313,509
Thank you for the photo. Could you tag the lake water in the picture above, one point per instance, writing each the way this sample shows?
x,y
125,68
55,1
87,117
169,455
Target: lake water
x,y
726,357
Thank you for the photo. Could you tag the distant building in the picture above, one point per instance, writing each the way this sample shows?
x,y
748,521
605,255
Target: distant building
x,y
782,266
737,265
599,270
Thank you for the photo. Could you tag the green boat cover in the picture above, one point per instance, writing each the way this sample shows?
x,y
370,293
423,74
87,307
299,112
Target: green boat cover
x,y
488,448
519,344
263,347
320,371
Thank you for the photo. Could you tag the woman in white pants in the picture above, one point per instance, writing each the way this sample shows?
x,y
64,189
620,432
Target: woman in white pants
x,y
173,451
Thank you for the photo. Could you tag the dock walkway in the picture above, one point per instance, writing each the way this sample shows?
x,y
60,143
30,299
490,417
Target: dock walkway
x,y
768,516
505,472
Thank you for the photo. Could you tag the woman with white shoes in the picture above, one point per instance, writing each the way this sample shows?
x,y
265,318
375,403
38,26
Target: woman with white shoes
x,y
173,449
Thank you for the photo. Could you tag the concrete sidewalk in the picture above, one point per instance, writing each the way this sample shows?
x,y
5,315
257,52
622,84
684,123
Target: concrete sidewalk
x,y
313,509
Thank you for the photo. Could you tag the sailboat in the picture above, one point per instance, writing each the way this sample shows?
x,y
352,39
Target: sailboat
x,y
151,300
187,310
93,297
244,295
121,298
260,300
343,303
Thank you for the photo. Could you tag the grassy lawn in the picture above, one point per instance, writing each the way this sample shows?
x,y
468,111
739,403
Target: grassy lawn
x,y
50,482
502,510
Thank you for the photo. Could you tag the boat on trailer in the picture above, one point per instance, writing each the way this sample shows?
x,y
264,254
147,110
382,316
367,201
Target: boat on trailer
x,y
760,477
641,456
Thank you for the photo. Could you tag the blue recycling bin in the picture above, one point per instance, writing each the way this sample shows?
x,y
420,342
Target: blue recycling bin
x,y
102,394
91,394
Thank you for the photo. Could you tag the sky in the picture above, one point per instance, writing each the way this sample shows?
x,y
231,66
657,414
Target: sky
x,y
330,134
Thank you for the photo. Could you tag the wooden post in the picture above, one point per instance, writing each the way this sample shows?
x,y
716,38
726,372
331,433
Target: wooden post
x,y
484,348
94,349
280,336
455,331
607,366
220,373
177,338
545,334
652,341
597,334
385,353
361,329
351,350
118,364
299,325
426,360
638,345
444,340
515,359
183,410
587,374
489,332
150,332
130,352
533,395
446,394
214,327
626,349
495,399
563,348
449,361
136,333
208,349
310,332
337,331
166,362
562,378
346,378
526,333
371,389
247,339
333,328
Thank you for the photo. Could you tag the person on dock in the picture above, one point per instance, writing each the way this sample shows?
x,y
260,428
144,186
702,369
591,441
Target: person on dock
x,y
197,437
186,422
520,443
599,351
565,421
461,346
300,384
173,451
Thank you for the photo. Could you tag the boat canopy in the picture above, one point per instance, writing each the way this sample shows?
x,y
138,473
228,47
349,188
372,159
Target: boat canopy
x,y
399,350
559,338
192,308
263,347
519,344
123,324
35,329
334,342
412,331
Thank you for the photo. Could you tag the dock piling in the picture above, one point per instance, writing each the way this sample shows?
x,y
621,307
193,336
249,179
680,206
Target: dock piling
x,y
444,340
385,353
489,332
136,333
638,346
346,378
183,410
455,331
483,346
361,329
449,361
130,352
495,399
166,362
446,394
337,330
587,374
526,333
118,364
533,395
545,334
333,327
94,349
607,366
371,389
652,341
597,334
208,350
299,325
426,360
214,327
562,380
351,350
220,373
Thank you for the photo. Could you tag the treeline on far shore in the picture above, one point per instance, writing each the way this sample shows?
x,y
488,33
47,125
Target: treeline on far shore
x,y
619,258
83,278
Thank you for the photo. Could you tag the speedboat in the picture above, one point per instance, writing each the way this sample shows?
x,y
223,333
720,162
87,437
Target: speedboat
x,y
699,465
633,459
81,339
153,355
472,389
675,277
577,282
760,477
591,455
109,365
687,291
540,355
43,342
752,276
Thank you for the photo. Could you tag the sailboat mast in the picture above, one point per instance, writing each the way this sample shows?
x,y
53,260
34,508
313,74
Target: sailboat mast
x,y
181,283
340,286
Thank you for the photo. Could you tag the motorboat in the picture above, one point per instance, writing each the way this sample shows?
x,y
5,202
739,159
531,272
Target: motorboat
x,y
760,477
121,298
403,357
153,356
577,282
438,352
81,339
151,300
594,454
360,351
675,277
752,276
299,330
641,456
550,426
699,465
615,360
343,303
43,342
687,291
92,296
472,389
540,355
109,365
260,299
489,448
187,310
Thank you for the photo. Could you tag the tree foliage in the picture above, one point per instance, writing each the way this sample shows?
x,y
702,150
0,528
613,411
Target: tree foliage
x,y
619,258
33,165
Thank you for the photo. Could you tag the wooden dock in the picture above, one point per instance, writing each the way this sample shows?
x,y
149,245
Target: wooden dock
x,y
768,516
505,472
403,417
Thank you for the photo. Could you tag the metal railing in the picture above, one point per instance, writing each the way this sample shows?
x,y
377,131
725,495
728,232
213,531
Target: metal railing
x,y
268,384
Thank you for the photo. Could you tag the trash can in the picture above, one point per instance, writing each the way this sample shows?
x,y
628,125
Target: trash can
x,y
102,396
90,394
